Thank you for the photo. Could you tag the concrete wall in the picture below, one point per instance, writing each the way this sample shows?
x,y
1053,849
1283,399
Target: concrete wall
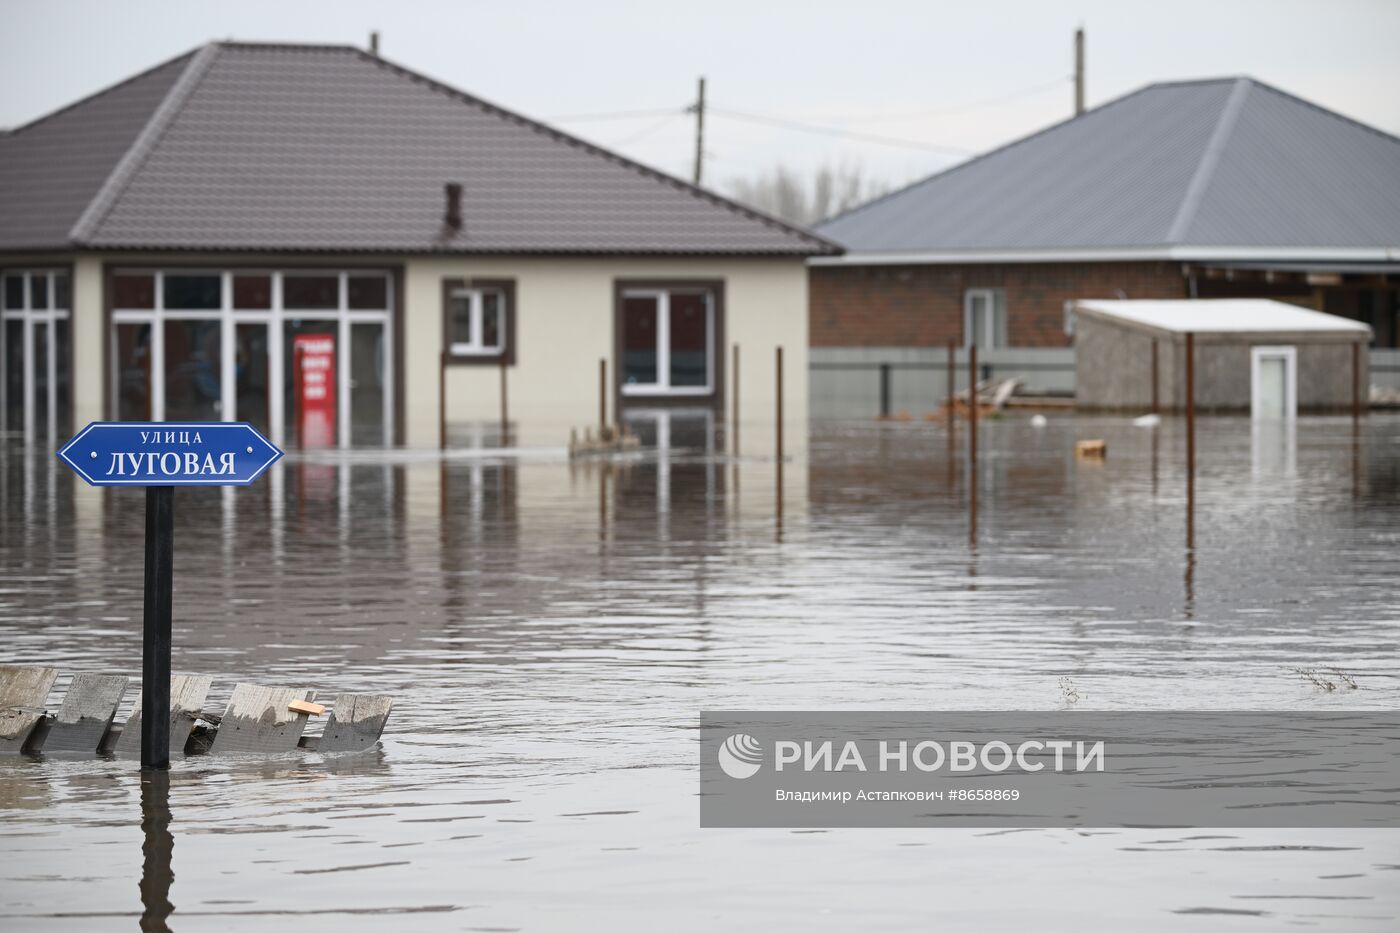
x,y
1385,368
845,381
1114,368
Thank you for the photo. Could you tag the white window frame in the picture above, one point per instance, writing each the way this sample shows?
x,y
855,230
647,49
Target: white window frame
x,y
970,335
274,318
663,386
32,318
476,309
1289,355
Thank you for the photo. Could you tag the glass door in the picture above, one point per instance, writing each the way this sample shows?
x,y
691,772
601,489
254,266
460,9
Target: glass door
x,y
252,376
368,386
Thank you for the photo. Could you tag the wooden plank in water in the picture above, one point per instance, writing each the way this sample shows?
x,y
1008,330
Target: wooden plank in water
x,y
357,720
187,695
258,720
86,715
23,692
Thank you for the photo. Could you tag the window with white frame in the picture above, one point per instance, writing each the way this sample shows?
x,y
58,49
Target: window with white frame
x,y
984,318
476,322
668,337
35,352
222,344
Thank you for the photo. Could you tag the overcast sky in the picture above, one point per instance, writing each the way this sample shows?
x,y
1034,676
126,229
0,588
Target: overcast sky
x,y
951,78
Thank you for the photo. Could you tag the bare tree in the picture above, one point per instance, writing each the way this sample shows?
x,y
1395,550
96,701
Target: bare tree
x,y
783,192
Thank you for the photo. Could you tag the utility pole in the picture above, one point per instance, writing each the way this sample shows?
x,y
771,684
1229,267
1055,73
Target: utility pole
x,y
1079,71
699,110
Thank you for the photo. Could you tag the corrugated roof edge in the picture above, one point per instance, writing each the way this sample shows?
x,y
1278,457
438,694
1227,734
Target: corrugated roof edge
x,y
90,220
16,130
402,251
825,247
1375,130
1022,140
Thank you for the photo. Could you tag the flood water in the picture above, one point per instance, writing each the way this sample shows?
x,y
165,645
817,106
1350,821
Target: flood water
x,y
550,634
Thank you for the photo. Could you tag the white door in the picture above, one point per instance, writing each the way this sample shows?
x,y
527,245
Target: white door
x,y
984,318
1273,383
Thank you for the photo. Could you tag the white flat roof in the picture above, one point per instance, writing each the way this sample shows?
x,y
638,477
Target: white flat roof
x,y
1223,316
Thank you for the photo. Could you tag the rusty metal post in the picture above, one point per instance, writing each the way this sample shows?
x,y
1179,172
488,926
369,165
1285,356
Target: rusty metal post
x,y
952,387
505,420
778,515
734,418
602,393
972,438
1155,408
952,373
1190,474
1190,407
1356,382
779,363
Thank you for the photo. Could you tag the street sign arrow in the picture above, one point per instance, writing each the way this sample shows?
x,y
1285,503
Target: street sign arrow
x,y
166,453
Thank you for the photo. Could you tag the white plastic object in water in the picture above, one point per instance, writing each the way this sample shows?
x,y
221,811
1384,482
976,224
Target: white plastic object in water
x,y
1038,421
1147,421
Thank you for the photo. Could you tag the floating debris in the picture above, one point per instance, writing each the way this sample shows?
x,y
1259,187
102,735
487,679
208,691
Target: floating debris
x,y
1091,450
610,440
257,720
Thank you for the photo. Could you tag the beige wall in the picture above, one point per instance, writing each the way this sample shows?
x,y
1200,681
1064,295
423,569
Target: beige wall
x,y
564,325
87,341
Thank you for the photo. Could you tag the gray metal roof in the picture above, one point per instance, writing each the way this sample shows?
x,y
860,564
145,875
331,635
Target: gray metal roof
x,y
1222,163
250,146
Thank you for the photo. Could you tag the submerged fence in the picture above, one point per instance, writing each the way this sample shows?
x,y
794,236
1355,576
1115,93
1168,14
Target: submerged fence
x,y
860,382
864,382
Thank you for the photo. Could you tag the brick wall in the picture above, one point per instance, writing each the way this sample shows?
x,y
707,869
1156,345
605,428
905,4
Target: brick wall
x,y
922,306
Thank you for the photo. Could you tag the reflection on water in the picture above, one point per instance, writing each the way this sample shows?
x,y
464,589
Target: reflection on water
x,y
550,632
157,849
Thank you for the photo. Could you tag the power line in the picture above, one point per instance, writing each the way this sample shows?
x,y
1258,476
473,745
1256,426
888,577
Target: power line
x,y
960,108
615,115
649,130
783,123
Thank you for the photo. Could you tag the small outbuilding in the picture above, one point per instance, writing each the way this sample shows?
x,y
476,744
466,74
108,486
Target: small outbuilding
x,y
1266,357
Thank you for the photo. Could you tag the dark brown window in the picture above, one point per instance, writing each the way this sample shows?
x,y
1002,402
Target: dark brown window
x,y
252,292
14,292
367,292
311,292
136,290
191,292
478,321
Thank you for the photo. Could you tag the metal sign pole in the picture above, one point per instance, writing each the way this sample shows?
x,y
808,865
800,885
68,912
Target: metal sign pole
x,y
161,456
155,633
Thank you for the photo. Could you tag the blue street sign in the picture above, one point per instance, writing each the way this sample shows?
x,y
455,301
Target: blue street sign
x,y
167,453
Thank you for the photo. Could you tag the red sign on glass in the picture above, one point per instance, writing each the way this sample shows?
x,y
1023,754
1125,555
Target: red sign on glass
x,y
313,368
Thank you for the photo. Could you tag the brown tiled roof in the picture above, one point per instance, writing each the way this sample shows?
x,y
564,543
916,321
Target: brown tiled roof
x,y
51,169
242,146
